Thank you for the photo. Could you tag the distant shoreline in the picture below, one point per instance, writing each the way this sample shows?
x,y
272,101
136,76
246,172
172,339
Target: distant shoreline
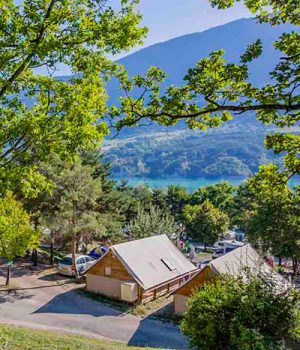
x,y
191,184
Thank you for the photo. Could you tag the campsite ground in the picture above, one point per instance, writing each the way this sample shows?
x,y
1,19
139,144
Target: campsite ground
x,y
18,338
41,299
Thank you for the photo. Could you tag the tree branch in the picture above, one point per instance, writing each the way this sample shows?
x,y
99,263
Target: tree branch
x,y
28,59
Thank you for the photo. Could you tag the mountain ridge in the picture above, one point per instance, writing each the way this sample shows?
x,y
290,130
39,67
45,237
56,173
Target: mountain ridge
x,y
236,149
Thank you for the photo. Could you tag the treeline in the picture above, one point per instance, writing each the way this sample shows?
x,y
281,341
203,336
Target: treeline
x,y
82,204
235,150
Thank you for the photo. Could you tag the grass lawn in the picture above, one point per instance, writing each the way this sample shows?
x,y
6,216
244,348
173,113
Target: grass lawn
x,y
17,338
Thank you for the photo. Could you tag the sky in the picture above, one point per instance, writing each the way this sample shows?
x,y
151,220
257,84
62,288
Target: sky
x,y
167,19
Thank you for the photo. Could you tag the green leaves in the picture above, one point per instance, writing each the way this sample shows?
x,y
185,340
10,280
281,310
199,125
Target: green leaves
x,y
214,90
234,314
40,114
16,234
253,51
205,222
151,222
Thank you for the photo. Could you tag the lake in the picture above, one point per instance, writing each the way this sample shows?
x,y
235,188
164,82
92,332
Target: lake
x,y
190,184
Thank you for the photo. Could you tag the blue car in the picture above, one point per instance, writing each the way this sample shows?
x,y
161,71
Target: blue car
x,y
97,252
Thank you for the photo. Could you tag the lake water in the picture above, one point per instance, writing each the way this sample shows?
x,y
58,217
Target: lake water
x,y
190,184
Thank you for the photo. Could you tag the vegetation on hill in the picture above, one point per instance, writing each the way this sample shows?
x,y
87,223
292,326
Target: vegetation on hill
x,y
157,151
234,150
73,196
216,89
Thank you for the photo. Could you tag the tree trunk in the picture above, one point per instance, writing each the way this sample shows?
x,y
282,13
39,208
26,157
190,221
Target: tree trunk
x,y
52,250
74,267
8,275
34,252
205,246
34,257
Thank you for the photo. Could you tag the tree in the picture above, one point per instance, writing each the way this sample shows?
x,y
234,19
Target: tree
x,y
177,197
41,114
215,90
205,222
273,221
154,221
16,234
238,314
76,193
242,204
220,195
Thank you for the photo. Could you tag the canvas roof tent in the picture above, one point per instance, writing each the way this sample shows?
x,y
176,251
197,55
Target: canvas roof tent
x,y
241,260
246,257
151,262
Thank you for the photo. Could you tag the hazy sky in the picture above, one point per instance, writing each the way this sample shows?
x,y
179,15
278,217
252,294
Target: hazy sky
x,y
171,18
168,19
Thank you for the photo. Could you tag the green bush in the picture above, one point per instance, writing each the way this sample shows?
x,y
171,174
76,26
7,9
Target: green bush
x,y
232,314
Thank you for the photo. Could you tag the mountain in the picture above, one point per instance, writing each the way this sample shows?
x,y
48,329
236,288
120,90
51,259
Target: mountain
x,y
235,149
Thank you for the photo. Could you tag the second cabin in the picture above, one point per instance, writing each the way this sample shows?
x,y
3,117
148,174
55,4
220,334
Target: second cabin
x,y
239,262
139,271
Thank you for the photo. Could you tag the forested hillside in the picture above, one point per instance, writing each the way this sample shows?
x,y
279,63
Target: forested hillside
x,y
235,149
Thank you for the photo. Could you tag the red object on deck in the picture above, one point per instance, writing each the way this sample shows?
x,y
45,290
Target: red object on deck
x,y
270,261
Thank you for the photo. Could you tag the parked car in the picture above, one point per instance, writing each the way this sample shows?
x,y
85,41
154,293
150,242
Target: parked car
x,y
97,252
83,262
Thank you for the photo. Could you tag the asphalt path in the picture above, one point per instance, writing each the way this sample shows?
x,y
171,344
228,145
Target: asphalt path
x,y
39,299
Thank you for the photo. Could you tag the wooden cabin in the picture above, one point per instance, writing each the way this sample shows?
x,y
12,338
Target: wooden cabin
x,y
233,263
139,271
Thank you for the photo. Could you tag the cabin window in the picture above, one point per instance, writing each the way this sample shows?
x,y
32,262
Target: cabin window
x,y
169,265
107,271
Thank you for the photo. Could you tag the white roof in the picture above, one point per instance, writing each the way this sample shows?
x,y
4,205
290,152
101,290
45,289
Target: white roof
x,y
153,260
246,258
231,242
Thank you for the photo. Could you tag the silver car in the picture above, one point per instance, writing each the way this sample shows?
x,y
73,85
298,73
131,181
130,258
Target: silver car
x,y
83,262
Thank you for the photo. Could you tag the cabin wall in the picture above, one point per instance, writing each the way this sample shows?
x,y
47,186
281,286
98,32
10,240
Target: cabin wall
x,y
180,304
109,287
195,283
182,294
99,281
117,270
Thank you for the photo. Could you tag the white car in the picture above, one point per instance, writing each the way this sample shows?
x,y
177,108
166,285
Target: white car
x,y
83,262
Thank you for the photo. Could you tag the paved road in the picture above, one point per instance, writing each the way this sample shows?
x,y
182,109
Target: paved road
x,y
41,301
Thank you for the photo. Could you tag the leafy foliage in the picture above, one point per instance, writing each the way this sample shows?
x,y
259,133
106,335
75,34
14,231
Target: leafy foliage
x,y
215,90
42,114
205,222
234,314
16,234
153,222
273,218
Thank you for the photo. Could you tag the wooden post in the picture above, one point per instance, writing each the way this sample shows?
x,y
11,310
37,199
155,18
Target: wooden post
x,y
9,264
8,274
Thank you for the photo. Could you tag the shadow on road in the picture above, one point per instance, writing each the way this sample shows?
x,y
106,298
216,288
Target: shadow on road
x,y
12,295
158,334
56,277
71,302
21,267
